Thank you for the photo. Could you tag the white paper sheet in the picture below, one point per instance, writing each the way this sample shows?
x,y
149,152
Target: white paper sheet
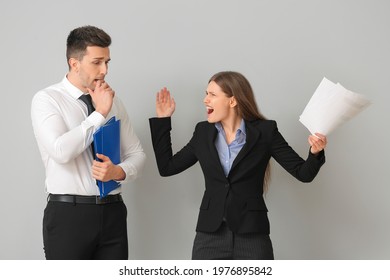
x,y
330,106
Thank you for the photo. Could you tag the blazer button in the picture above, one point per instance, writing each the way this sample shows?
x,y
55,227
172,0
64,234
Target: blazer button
x,y
227,185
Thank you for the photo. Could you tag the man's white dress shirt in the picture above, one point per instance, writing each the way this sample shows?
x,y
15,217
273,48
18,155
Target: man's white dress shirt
x,y
64,134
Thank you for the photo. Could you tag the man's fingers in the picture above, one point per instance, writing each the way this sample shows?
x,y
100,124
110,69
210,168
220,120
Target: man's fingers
x,y
102,157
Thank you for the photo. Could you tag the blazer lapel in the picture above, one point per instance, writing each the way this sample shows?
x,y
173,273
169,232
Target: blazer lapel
x,y
252,136
211,136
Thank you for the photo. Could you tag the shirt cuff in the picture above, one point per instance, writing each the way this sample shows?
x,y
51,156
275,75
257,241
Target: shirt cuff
x,y
96,119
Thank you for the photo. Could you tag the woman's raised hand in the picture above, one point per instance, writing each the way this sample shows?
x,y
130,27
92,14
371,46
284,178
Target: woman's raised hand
x,y
317,142
165,104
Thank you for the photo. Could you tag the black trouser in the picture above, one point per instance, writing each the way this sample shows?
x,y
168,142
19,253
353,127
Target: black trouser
x,y
225,244
73,231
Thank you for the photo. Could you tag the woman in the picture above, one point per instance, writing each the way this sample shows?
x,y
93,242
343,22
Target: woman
x,y
233,148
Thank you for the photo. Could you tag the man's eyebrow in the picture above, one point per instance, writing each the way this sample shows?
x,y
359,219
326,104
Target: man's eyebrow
x,y
101,58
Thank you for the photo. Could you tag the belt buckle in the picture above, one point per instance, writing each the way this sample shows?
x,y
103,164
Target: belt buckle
x,y
100,200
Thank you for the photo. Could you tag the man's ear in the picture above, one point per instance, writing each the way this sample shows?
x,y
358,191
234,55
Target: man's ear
x,y
74,64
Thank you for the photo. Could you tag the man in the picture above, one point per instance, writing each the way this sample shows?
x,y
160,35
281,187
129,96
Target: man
x,y
77,223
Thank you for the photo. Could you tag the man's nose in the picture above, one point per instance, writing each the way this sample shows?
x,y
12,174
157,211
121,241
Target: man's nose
x,y
104,69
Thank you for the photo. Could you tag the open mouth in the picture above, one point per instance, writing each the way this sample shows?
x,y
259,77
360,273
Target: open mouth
x,y
209,111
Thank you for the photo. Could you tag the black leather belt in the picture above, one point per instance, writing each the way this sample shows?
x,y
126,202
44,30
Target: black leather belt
x,y
75,199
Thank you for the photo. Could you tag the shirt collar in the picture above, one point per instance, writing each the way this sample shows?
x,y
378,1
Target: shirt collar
x,y
240,130
73,90
241,133
218,126
242,127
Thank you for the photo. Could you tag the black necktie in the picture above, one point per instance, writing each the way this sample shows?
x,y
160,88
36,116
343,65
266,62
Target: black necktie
x,y
86,98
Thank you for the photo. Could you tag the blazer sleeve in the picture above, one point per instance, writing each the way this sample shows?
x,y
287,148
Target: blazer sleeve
x,y
167,163
303,170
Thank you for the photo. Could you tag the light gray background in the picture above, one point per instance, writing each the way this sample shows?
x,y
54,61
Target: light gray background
x,y
284,48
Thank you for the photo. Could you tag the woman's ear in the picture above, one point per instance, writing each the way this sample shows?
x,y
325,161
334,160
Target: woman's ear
x,y
233,102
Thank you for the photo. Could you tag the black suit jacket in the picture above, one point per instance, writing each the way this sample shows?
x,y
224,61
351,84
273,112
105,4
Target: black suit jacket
x,y
239,196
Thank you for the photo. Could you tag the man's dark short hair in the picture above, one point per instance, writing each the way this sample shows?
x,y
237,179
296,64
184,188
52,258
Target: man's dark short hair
x,y
86,36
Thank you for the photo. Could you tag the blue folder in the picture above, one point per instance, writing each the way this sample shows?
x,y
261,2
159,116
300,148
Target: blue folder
x,y
106,141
